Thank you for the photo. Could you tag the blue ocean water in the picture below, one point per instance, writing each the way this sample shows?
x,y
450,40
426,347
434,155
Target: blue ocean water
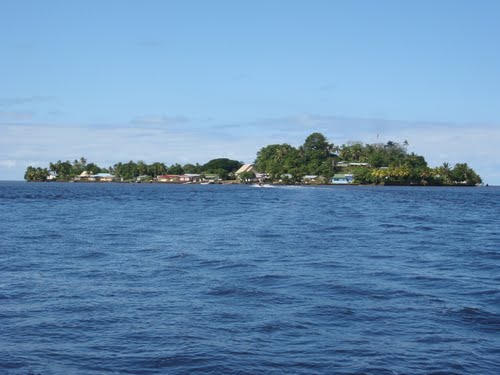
x,y
203,279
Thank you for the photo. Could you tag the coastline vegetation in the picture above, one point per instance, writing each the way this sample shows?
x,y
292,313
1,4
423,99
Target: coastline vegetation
x,y
378,163
130,171
317,159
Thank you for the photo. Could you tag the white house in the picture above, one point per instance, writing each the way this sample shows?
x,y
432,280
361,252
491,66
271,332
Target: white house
x,y
102,177
342,179
52,176
310,178
189,177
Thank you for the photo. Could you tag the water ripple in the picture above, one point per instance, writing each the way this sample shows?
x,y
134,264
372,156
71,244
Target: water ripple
x,y
183,279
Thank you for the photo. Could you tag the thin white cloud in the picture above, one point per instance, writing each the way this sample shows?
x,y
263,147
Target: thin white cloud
x,y
159,120
476,144
7,164
17,101
16,115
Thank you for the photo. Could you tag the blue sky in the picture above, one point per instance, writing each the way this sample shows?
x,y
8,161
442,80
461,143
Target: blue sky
x,y
188,81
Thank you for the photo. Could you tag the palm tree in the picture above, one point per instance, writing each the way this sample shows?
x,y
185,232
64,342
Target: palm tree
x,y
357,151
445,173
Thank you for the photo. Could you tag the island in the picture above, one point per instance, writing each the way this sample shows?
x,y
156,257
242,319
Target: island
x,y
316,161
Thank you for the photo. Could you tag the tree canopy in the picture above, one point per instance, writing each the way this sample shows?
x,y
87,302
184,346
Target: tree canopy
x,y
377,163
131,170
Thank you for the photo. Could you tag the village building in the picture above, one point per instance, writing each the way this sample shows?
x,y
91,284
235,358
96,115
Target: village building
x,y
168,178
342,179
102,177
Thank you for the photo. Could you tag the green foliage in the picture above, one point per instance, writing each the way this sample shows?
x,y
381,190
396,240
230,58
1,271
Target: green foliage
x,y
93,169
246,177
223,167
63,170
127,171
313,157
317,144
318,157
36,174
364,176
156,169
190,168
222,173
277,160
175,169
462,174
388,163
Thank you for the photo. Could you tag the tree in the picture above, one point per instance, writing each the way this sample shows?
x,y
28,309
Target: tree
x,y
357,152
317,142
175,169
142,168
277,160
157,169
226,164
36,174
190,168
246,177
127,171
462,174
316,155
444,173
93,168
222,173
79,166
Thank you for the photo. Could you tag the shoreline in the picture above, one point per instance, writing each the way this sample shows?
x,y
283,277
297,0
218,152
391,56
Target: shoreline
x,y
231,182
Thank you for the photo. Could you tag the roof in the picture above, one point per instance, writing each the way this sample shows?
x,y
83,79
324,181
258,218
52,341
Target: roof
x,y
245,168
360,164
103,175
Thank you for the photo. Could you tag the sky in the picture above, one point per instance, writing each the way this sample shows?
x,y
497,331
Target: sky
x,y
188,81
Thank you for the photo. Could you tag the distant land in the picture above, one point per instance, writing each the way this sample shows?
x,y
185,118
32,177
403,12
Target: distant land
x,y
316,161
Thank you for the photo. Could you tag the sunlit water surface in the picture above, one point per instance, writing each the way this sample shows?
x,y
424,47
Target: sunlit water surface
x,y
186,279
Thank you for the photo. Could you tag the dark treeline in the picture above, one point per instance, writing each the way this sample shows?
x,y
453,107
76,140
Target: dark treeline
x,y
66,170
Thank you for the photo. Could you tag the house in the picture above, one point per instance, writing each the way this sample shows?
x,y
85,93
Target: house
x,y
168,178
245,168
210,177
310,178
359,165
344,164
52,176
286,177
102,177
189,177
246,171
261,176
342,179
84,176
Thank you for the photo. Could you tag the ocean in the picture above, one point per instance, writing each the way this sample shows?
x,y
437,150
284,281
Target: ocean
x,y
211,279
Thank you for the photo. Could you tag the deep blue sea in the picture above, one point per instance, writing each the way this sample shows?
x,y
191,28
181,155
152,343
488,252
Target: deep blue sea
x,y
204,279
